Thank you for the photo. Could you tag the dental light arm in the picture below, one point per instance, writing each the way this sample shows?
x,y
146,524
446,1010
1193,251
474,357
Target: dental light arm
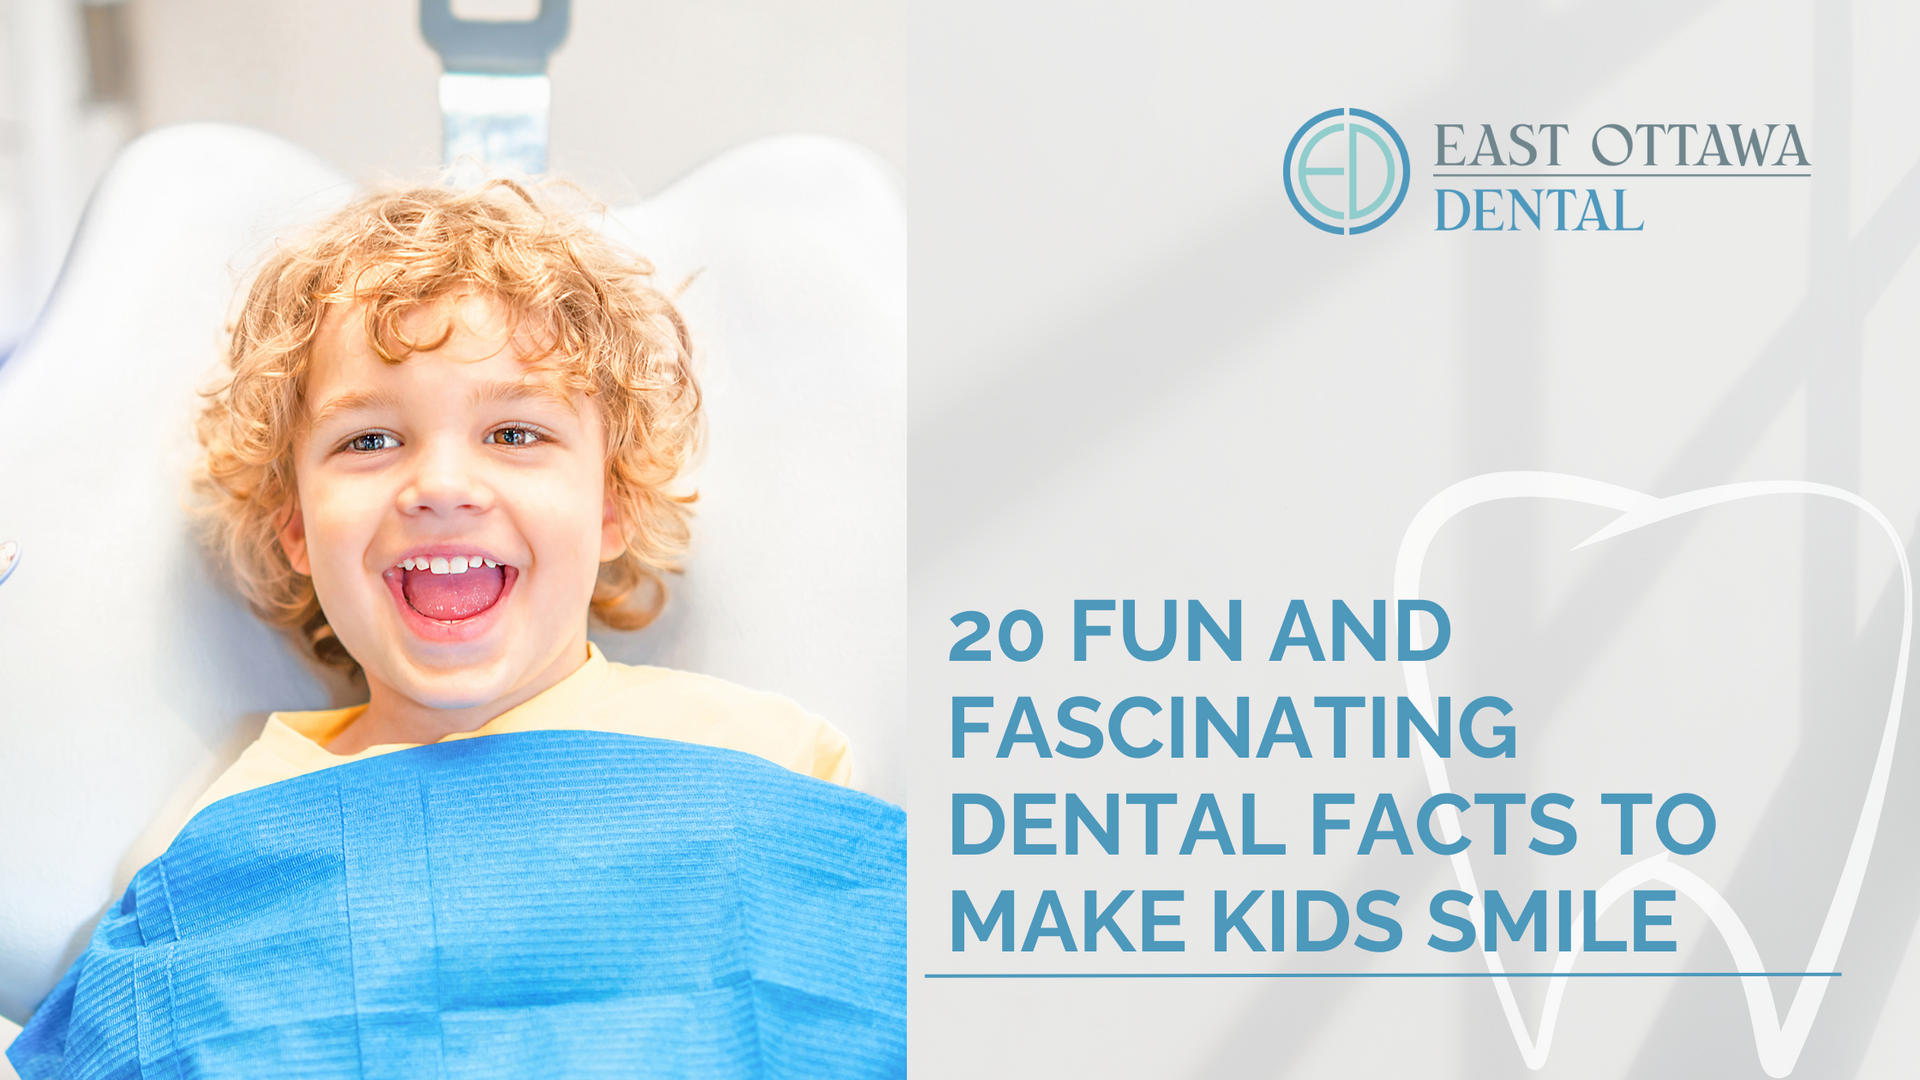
x,y
494,92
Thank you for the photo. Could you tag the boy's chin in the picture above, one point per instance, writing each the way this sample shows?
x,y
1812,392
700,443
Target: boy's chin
x,y
448,699
460,676
462,688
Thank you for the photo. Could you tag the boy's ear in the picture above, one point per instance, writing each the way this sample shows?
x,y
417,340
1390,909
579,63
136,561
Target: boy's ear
x,y
613,543
293,540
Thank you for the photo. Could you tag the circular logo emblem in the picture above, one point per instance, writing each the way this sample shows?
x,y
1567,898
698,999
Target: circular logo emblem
x,y
1347,171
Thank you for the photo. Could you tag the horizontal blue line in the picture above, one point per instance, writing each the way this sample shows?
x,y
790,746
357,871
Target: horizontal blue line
x,y
1379,975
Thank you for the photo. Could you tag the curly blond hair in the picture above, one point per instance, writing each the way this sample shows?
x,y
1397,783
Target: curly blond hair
x,y
609,334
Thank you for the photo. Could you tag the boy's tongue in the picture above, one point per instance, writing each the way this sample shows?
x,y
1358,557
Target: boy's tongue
x,y
449,597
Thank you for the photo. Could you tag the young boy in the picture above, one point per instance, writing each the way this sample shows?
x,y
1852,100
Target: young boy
x,y
449,435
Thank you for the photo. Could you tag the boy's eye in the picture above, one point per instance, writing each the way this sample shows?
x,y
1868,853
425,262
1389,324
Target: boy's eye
x,y
514,436
370,441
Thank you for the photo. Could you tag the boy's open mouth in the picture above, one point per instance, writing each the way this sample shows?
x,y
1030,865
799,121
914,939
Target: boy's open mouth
x,y
450,589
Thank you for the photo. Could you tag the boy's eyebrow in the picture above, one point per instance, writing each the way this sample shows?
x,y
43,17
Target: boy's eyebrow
x,y
525,390
360,400
352,401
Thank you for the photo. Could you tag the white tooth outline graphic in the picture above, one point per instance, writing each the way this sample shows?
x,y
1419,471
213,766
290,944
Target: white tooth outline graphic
x,y
1778,1044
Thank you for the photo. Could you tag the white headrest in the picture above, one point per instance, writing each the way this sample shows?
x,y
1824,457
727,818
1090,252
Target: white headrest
x,y
130,675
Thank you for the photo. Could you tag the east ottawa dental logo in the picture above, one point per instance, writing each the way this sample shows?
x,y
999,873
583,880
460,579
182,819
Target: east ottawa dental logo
x,y
1530,153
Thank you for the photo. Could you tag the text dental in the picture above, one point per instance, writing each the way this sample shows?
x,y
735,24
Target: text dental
x,y
1755,149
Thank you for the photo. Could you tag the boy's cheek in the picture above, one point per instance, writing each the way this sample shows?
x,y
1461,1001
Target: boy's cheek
x,y
546,503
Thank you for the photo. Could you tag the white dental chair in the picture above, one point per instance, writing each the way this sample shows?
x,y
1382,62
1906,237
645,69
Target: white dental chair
x,y
130,675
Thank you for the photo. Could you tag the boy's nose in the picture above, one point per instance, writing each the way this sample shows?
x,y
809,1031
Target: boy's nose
x,y
446,480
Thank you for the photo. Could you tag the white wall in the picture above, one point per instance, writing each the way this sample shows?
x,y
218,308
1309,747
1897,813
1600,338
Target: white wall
x,y
642,92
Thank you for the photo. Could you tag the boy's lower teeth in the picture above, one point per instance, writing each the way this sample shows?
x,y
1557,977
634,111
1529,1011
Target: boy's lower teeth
x,y
451,597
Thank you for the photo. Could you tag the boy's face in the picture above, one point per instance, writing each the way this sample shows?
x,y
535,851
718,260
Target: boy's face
x,y
462,454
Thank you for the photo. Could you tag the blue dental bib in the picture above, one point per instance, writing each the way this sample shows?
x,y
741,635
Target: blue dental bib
x,y
554,903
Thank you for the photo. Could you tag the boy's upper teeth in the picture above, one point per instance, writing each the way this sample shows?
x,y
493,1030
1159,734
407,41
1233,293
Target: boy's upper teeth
x,y
446,564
